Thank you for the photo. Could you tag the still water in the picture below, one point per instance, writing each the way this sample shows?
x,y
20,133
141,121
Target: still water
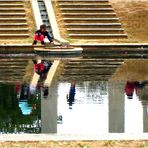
x,y
83,99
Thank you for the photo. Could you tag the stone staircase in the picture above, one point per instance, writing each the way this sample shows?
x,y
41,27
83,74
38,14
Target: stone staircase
x,y
12,69
44,15
89,69
90,19
13,22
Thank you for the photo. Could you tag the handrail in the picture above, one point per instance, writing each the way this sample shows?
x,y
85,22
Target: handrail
x,y
36,12
54,25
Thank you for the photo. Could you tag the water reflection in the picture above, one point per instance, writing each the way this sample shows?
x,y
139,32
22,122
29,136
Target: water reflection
x,y
108,110
92,104
71,95
95,107
89,113
136,86
19,111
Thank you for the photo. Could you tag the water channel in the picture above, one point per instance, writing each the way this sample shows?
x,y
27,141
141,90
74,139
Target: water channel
x,y
87,96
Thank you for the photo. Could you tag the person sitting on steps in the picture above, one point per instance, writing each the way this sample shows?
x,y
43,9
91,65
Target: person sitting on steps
x,y
41,34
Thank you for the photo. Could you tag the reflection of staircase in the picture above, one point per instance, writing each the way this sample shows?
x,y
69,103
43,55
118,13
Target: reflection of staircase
x,y
90,19
90,69
12,69
13,23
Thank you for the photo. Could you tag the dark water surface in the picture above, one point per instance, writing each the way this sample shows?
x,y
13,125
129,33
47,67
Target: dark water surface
x,y
81,100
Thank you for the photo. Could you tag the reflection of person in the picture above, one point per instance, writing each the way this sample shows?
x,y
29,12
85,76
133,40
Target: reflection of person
x,y
18,89
131,86
45,92
71,96
42,68
129,89
47,65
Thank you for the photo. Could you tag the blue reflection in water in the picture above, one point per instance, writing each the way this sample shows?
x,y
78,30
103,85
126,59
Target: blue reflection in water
x,y
25,108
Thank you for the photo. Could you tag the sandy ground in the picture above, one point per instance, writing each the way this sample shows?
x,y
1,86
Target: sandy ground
x,y
76,144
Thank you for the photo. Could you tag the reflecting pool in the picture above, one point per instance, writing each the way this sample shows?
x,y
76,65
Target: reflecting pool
x,y
88,96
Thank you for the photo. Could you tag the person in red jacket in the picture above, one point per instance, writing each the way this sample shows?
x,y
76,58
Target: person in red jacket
x,y
41,34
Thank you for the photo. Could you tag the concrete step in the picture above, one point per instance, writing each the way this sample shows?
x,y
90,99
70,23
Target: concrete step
x,y
11,5
11,1
12,15
9,65
13,25
14,1
13,30
12,76
12,20
13,36
11,80
91,20
81,0
89,63
95,30
89,66
84,5
8,70
97,36
12,66
90,72
87,9
98,61
5,60
82,78
93,25
87,69
13,10
87,15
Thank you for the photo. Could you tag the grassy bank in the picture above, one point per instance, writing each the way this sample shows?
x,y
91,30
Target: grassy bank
x,y
132,14
132,70
134,17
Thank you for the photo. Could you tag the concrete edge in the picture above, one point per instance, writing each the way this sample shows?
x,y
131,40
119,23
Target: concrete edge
x,y
52,20
36,12
112,44
70,137
101,44
51,73
57,50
